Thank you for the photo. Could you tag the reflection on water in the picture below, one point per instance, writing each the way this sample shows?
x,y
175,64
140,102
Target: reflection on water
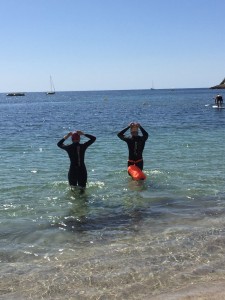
x,y
81,216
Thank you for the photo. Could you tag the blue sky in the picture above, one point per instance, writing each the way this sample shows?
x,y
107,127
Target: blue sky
x,y
111,44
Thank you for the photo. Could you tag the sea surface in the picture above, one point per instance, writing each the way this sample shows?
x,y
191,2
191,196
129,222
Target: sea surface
x,y
121,239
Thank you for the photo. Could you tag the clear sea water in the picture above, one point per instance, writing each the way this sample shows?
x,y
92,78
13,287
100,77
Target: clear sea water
x,y
121,239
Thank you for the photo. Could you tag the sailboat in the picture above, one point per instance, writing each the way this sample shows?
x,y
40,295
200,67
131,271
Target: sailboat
x,y
152,88
52,88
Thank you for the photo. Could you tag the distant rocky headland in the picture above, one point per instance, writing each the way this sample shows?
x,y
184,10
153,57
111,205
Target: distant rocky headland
x,y
219,86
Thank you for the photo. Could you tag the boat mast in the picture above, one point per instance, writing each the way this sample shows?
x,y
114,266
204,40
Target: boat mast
x,y
52,84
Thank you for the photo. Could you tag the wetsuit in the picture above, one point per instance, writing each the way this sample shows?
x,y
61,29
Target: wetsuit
x,y
77,174
219,100
135,145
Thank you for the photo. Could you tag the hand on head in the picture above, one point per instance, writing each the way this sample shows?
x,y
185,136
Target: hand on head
x,y
133,124
75,135
68,135
80,132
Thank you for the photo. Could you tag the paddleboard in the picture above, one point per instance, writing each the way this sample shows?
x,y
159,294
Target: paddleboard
x,y
136,173
220,107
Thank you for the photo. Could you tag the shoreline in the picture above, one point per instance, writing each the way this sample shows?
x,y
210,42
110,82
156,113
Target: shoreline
x,y
202,291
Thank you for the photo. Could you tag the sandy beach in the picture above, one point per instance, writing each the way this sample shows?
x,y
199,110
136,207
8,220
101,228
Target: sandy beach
x,y
204,291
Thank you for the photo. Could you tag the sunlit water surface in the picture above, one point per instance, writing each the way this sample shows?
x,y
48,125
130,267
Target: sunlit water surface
x,y
121,239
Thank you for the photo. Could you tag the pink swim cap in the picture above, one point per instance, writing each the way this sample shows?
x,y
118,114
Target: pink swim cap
x,y
75,137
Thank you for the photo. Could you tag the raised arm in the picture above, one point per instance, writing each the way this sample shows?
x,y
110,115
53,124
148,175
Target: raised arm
x,y
60,144
121,133
91,138
144,132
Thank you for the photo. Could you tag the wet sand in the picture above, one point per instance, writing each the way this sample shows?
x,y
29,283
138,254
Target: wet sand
x,y
204,291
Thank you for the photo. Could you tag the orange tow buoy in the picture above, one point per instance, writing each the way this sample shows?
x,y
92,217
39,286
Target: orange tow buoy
x,y
136,173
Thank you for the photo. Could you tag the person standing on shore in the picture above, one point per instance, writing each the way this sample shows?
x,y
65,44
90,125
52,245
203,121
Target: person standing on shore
x,y
77,175
135,143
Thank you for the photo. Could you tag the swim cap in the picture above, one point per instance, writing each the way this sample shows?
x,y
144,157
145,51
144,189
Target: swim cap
x,y
75,137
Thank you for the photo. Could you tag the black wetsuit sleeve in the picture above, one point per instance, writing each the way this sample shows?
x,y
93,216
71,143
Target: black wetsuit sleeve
x,y
144,133
60,143
121,133
91,139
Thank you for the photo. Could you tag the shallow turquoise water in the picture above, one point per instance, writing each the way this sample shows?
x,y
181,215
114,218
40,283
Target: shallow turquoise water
x,y
121,239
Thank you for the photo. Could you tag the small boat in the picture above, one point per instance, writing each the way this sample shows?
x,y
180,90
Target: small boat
x,y
15,94
152,88
52,87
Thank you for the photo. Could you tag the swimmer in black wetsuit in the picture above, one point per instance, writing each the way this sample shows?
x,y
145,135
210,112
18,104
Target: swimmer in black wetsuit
x,y
77,174
219,100
135,143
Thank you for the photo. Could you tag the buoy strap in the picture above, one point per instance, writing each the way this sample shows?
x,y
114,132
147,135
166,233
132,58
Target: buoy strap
x,y
135,161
